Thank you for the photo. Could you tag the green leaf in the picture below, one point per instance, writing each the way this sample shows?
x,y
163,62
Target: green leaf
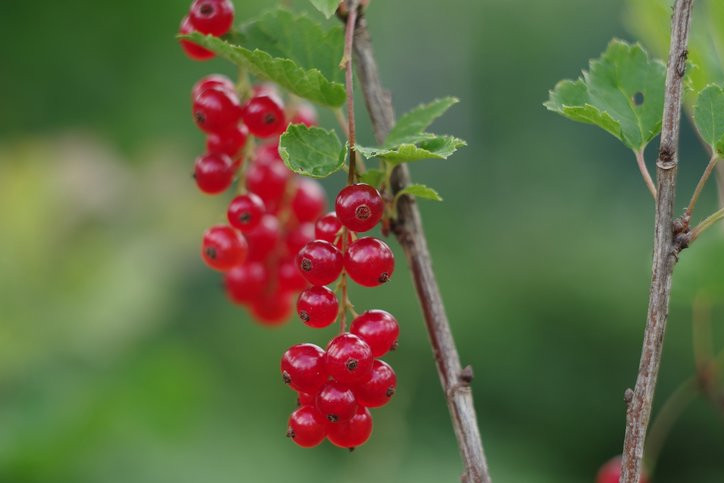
x,y
307,83
372,177
420,191
623,93
419,119
436,147
312,151
327,7
709,116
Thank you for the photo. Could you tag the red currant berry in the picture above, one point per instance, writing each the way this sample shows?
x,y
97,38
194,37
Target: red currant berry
x,y
348,359
229,142
369,262
317,307
379,329
193,51
216,110
307,427
320,262
263,238
305,114
309,200
212,16
245,212
213,173
223,247
352,433
267,152
359,207
212,80
268,180
303,368
290,280
245,283
610,472
272,308
306,399
378,390
264,116
336,402
327,227
299,236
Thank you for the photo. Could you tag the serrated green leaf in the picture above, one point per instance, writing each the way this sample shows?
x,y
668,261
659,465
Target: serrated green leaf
x,y
372,177
622,93
311,151
421,191
709,116
307,83
418,119
327,7
438,147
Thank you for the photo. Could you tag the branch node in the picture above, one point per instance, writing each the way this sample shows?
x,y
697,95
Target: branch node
x,y
628,395
466,375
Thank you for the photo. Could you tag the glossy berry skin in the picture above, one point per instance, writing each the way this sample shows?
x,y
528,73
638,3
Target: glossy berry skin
x,y
336,402
378,328
212,16
229,142
317,307
309,200
306,399
369,262
268,180
245,212
352,433
303,368
327,227
213,173
379,388
272,308
209,81
359,207
216,110
245,283
263,238
320,262
610,472
307,427
348,359
299,236
193,51
290,280
223,247
264,116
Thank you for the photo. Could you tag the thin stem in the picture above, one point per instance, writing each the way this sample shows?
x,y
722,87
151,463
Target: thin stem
x,y
353,6
641,162
700,185
706,223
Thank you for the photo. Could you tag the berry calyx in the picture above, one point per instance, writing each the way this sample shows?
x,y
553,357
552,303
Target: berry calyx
x,y
223,247
352,433
378,328
216,110
212,16
264,116
317,307
245,212
229,142
213,173
369,262
336,402
303,369
307,427
359,207
320,262
193,51
209,81
309,200
245,283
379,388
348,359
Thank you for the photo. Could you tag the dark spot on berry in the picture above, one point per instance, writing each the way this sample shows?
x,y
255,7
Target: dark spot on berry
x,y
390,391
384,277
394,346
290,433
200,118
286,377
638,98
362,212
207,9
270,118
306,264
299,402
351,364
304,315
332,418
211,252
245,217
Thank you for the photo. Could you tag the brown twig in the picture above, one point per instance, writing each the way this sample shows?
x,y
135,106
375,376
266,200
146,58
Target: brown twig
x,y
665,251
408,229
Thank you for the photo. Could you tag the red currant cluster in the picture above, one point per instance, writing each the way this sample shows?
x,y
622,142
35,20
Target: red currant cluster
x,y
212,17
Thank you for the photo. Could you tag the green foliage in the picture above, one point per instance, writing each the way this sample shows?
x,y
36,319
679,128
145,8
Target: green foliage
x,y
622,93
421,191
428,147
327,7
417,120
709,116
312,151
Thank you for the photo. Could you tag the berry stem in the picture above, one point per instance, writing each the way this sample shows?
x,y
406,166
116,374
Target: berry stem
x,y
353,6
641,162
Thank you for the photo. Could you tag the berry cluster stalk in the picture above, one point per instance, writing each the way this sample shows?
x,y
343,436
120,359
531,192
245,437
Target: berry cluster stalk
x,y
407,227
666,249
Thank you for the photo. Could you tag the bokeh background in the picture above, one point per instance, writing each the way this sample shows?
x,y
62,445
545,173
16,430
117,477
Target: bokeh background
x,y
121,359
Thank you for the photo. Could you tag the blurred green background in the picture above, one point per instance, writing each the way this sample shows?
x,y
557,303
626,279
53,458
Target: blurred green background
x,y
121,360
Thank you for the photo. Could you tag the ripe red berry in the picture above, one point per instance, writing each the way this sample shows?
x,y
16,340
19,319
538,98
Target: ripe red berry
x,y
320,262
348,359
264,116
272,308
216,110
317,307
213,173
212,16
229,142
610,472
290,280
245,283
223,247
309,200
327,227
369,262
245,212
299,236
359,207
268,180
352,433
306,114
303,368
263,238
193,51
307,427
379,388
306,399
336,402
209,81
378,328
267,152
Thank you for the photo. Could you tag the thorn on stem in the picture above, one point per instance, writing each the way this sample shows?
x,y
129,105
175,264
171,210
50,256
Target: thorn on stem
x,y
466,375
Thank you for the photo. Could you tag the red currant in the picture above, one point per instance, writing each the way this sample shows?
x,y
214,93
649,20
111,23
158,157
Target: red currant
x,y
327,227
320,262
378,328
193,51
245,212
209,81
290,280
229,142
303,368
213,173
223,247
263,238
352,433
267,152
309,200
610,472
244,283
216,110
264,116
268,180
299,236
336,402
306,399
369,262
379,388
348,359
359,207
307,427
212,16
306,114
272,308
317,307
